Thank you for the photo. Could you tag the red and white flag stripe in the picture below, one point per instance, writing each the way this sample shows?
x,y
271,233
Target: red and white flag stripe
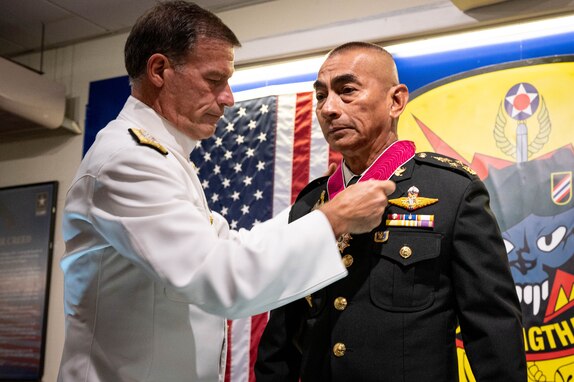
x,y
301,155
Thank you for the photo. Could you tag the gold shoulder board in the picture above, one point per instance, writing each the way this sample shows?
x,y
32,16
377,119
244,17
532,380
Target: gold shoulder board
x,y
144,139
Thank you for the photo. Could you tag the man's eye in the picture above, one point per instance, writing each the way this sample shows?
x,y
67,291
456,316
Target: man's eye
x,y
347,90
319,96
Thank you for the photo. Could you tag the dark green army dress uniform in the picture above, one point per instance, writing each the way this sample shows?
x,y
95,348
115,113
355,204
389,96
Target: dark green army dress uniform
x,y
436,260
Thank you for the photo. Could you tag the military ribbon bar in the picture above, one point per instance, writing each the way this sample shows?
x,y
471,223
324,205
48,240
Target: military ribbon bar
x,y
410,220
410,217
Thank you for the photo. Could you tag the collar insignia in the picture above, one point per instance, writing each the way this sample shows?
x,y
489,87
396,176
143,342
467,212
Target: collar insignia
x,y
309,300
320,202
400,171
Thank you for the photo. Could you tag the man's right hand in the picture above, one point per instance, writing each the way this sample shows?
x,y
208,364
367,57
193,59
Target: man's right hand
x,y
359,208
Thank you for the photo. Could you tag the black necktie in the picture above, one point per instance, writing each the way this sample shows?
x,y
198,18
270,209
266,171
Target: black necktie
x,y
353,180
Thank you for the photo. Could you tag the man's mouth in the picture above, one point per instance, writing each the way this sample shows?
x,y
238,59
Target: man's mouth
x,y
334,129
213,118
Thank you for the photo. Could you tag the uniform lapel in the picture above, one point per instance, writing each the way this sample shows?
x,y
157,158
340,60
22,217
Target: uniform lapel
x,y
402,174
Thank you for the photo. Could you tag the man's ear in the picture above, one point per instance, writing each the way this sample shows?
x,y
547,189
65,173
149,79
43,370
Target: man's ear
x,y
156,67
400,96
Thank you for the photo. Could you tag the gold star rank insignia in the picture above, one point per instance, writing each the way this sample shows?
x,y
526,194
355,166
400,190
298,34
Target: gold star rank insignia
x,y
343,241
144,139
413,201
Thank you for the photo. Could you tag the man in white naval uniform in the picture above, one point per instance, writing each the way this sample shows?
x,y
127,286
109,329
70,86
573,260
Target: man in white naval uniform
x,y
150,272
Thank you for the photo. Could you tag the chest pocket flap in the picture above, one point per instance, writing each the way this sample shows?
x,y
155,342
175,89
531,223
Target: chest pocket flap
x,y
407,248
406,274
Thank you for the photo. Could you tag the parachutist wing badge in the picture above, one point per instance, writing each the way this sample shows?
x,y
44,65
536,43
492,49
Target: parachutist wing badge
x,y
413,201
405,203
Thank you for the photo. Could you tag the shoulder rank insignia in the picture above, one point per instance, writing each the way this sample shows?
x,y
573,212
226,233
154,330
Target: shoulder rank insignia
x,y
143,138
446,161
413,201
455,163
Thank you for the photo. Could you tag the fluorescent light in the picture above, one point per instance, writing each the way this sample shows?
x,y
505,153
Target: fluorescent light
x,y
271,72
264,74
484,37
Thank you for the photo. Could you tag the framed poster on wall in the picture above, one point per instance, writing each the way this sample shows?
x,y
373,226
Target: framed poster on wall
x,y
27,216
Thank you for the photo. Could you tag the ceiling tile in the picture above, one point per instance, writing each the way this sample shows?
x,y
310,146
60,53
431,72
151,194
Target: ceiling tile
x,y
110,15
21,21
71,29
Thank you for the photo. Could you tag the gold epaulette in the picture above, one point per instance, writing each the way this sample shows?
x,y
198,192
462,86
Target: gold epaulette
x,y
144,139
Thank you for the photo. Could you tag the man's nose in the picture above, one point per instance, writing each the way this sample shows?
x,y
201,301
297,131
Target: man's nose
x,y
331,107
226,96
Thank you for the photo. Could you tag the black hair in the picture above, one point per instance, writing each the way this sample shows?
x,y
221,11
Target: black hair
x,y
171,28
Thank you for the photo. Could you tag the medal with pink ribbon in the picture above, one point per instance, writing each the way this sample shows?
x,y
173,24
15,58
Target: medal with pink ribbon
x,y
394,156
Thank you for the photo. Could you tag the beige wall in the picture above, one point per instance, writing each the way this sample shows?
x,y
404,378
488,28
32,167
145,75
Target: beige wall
x,y
266,34
57,158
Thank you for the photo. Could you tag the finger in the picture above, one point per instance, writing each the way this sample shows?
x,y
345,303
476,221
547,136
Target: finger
x,y
389,187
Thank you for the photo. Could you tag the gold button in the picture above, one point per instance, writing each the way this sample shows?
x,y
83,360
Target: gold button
x,y
347,260
339,349
340,303
406,252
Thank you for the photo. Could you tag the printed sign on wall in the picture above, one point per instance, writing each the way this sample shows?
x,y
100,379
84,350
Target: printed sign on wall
x,y
512,124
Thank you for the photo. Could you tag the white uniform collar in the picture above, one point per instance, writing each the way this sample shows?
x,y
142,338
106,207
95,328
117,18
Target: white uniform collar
x,y
347,173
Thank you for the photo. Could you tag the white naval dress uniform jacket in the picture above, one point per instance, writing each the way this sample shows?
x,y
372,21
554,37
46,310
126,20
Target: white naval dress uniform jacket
x,y
149,280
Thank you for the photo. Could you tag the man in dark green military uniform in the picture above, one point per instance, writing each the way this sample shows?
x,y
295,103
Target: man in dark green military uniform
x,y
436,261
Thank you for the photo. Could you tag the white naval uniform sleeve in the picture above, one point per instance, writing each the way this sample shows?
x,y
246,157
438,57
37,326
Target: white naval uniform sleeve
x,y
152,211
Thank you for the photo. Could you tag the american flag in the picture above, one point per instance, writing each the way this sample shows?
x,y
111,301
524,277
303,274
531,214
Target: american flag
x,y
263,153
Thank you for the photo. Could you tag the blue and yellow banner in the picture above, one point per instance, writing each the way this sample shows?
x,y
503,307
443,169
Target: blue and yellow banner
x,y
512,124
